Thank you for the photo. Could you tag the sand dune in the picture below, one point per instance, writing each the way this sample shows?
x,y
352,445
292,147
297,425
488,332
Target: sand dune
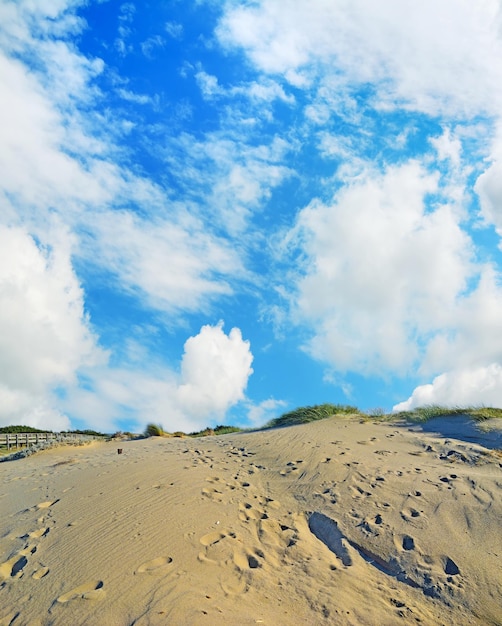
x,y
334,522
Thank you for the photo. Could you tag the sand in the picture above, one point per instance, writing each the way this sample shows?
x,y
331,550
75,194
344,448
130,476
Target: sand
x,y
334,522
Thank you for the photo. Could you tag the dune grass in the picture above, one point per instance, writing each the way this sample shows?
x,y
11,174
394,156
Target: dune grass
x,y
154,430
304,415
430,411
217,430
307,414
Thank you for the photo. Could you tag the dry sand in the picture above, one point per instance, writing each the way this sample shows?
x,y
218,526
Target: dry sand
x,y
334,522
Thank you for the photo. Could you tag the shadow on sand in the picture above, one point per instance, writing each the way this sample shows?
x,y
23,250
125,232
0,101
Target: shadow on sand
x,y
487,433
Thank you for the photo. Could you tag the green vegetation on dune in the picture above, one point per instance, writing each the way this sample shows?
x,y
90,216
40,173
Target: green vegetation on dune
x,y
156,430
430,411
300,415
22,429
304,415
217,430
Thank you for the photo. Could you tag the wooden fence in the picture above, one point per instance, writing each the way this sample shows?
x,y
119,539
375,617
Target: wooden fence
x,y
18,440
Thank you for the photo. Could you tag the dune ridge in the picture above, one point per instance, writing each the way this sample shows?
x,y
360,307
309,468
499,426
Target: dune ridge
x,y
341,521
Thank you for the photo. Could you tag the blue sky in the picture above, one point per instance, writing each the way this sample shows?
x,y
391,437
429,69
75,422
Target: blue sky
x,y
216,211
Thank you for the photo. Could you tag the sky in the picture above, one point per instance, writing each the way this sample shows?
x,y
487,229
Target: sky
x,y
215,211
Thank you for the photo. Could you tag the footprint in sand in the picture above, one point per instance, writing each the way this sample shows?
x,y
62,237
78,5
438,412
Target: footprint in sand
x,y
247,512
212,494
154,564
408,543
88,591
408,513
273,534
233,584
13,568
47,504
248,560
40,573
211,538
216,549
36,534
450,567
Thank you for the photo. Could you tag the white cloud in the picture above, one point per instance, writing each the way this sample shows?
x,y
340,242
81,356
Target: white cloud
x,y
381,273
229,175
60,173
137,98
434,57
150,45
448,147
489,185
178,265
475,386
489,188
257,93
208,84
214,372
390,286
260,414
174,29
55,160
472,336
46,336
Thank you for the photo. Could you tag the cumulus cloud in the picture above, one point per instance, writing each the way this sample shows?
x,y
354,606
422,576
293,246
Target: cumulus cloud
x,y
214,371
46,336
213,376
465,387
389,286
381,272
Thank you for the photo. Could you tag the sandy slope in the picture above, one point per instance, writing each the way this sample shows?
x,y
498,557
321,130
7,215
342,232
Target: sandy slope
x,y
335,522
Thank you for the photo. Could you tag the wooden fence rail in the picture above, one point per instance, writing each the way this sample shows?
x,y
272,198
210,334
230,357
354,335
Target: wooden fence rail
x,y
17,440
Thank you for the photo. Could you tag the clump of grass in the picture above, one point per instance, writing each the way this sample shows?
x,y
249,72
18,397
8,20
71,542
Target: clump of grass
x,y
154,430
217,430
304,415
485,413
430,411
225,430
